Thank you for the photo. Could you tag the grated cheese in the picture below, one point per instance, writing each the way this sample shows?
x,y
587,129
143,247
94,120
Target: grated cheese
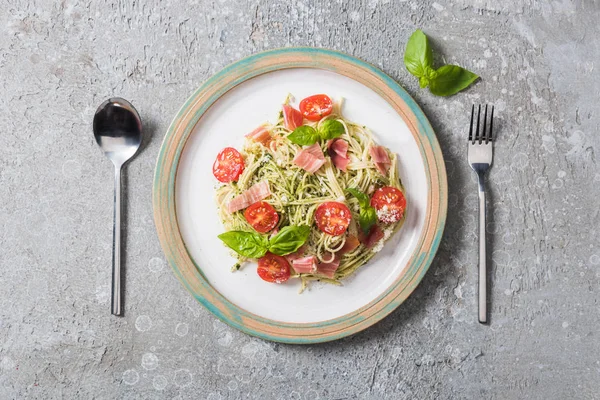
x,y
388,215
377,248
387,233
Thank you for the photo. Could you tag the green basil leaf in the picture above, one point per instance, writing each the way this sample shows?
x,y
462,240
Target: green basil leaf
x,y
289,239
367,218
247,244
304,135
363,199
451,79
330,129
431,73
418,54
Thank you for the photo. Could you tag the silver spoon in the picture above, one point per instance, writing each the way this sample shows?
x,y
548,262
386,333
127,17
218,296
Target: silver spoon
x,y
118,132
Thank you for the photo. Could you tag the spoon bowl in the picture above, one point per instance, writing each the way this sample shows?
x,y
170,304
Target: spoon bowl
x,y
118,132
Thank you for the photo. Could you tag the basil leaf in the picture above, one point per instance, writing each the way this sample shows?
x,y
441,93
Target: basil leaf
x,y
451,79
367,218
304,135
418,54
363,199
247,244
431,73
330,129
289,239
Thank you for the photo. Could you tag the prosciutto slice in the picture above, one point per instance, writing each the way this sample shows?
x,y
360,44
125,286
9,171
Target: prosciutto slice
x,y
310,158
296,255
351,243
292,118
260,135
372,238
328,269
338,151
255,193
305,265
380,157
309,265
338,146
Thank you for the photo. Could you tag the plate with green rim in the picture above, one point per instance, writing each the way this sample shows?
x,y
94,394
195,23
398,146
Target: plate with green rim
x,y
232,103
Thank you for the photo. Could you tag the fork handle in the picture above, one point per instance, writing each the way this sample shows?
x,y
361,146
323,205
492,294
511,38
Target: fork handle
x,y
482,253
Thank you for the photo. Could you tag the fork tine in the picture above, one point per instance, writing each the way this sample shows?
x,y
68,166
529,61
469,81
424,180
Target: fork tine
x,y
471,126
491,125
477,137
483,135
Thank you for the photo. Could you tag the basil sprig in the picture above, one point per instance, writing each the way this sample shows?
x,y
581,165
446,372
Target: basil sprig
x,y
330,129
444,81
367,216
306,135
289,239
247,244
253,245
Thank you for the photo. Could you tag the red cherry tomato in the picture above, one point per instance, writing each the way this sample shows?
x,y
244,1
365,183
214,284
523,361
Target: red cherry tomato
x,y
333,218
273,268
315,107
390,204
262,216
229,165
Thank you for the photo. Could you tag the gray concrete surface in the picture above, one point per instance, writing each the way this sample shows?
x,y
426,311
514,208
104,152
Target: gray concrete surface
x,y
539,64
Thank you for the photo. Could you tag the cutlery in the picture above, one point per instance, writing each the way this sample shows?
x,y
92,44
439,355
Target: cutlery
x,y
118,132
480,154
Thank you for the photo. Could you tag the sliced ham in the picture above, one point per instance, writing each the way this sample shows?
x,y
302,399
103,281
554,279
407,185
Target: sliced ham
x,y
340,162
350,245
260,135
372,238
305,265
255,193
292,118
338,151
328,269
309,265
381,159
296,255
338,146
310,158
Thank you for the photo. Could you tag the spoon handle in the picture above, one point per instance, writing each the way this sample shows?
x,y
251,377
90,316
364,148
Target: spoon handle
x,y
115,304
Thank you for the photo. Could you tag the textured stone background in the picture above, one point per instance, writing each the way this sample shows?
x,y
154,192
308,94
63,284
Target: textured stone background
x,y
539,62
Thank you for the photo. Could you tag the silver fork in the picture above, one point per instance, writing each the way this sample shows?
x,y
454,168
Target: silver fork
x,y
480,158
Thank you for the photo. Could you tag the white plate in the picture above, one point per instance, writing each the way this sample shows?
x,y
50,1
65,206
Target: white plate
x,y
225,123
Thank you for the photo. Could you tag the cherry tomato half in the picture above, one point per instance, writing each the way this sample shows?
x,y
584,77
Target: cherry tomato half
x,y
229,165
315,107
273,268
333,218
262,216
390,204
